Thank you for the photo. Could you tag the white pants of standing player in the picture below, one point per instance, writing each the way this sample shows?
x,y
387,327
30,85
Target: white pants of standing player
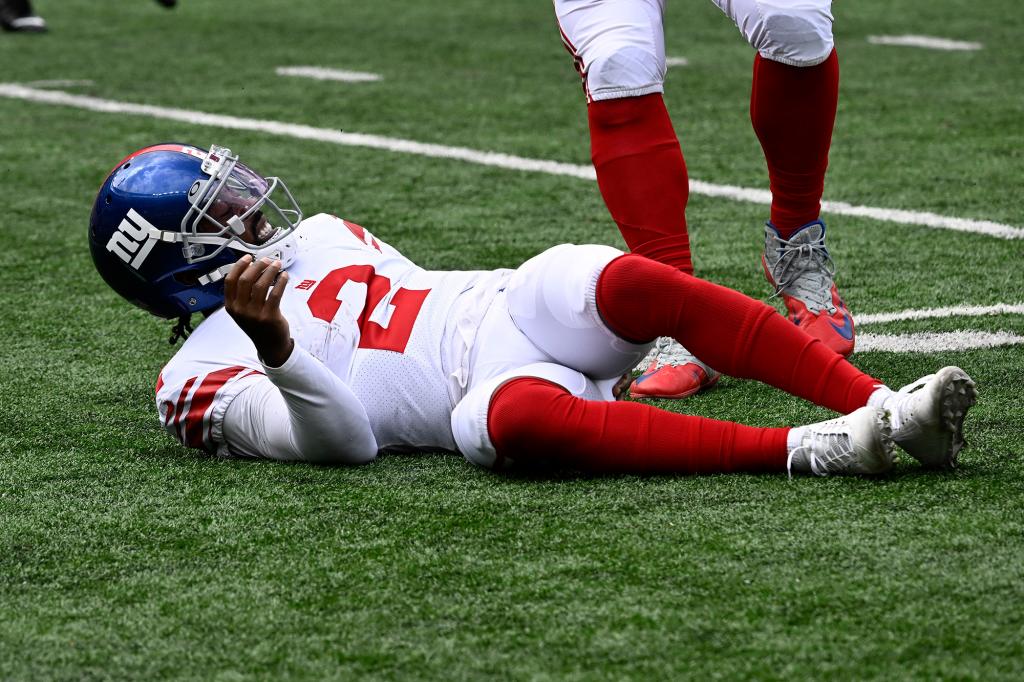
x,y
619,45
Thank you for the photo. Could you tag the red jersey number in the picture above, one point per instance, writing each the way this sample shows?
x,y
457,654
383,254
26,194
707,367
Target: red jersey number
x,y
324,304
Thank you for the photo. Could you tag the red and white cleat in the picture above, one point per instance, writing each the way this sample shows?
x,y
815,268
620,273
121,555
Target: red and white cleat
x,y
801,270
674,372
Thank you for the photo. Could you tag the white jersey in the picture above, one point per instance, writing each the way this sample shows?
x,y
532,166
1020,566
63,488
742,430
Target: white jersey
x,y
399,336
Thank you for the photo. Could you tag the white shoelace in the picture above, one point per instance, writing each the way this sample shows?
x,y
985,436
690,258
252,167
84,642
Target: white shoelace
x,y
668,351
820,449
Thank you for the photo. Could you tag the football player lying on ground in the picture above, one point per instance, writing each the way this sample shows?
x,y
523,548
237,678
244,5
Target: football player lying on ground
x,y
324,344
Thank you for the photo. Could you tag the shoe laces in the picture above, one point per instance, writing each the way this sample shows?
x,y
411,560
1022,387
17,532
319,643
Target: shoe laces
x,y
821,449
668,351
804,270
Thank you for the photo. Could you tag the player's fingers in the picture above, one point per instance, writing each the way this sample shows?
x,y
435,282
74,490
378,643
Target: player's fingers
x,y
274,300
265,280
243,292
231,281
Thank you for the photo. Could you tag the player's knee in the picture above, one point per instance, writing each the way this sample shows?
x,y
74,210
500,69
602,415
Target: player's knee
x,y
495,428
631,278
625,70
522,419
513,417
794,33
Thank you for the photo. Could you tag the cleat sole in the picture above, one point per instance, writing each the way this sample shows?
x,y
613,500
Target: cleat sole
x,y
959,394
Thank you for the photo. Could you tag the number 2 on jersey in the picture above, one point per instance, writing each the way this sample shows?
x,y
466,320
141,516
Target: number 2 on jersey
x,y
324,304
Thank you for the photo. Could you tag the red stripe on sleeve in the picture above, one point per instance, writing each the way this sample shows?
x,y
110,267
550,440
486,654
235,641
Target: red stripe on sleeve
x,y
179,409
203,400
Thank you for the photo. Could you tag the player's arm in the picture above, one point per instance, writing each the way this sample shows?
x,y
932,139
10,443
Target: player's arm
x,y
303,411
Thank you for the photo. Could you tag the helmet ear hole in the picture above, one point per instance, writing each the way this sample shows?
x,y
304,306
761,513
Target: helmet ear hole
x,y
188,278
126,165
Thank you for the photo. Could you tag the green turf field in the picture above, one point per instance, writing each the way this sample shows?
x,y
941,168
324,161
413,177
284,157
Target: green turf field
x,y
124,555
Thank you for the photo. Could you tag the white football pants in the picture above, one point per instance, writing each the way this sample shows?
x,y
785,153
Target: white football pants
x,y
545,324
619,45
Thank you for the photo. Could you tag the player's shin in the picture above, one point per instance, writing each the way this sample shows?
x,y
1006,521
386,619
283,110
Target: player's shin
x,y
531,420
793,110
642,176
640,300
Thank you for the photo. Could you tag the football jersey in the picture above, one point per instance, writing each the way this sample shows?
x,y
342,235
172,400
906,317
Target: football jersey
x,y
397,334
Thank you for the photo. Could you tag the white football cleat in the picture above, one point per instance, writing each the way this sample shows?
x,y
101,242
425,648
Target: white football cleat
x,y
928,416
857,443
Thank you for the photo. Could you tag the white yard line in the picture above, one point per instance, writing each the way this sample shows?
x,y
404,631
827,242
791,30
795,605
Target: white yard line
x,y
59,83
935,342
929,313
927,42
494,159
677,61
323,74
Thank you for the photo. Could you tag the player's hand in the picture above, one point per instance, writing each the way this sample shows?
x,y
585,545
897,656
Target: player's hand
x,y
252,297
622,386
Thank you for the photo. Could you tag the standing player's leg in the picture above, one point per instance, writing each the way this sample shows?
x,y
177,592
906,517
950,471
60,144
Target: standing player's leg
x,y
618,48
793,108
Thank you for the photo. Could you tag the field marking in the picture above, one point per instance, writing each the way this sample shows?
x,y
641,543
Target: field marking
x,y
494,159
927,42
934,342
324,74
60,83
930,313
677,61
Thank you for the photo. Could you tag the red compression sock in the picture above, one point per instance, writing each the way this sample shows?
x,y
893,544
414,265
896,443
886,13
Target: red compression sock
x,y
640,300
642,176
793,110
535,420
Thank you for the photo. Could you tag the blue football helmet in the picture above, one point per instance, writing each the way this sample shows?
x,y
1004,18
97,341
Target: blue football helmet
x,y
171,219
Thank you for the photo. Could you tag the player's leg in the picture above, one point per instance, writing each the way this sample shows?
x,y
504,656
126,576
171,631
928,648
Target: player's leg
x,y
618,48
595,310
557,301
550,414
579,309
748,339
533,420
792,108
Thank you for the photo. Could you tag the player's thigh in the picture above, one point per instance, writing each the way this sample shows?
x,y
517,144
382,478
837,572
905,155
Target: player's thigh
x,y
619,45
795,32
469,419
552,299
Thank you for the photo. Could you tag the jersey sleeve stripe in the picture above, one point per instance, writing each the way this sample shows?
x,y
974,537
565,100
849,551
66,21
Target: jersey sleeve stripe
x,y
208,436
174,416
202,402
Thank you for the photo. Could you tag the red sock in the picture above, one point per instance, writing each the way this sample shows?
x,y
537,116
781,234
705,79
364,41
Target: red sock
x,y
642,176
535,420
640,300
793,109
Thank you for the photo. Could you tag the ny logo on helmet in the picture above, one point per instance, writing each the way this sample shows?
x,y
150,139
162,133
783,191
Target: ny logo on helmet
x,y
134,239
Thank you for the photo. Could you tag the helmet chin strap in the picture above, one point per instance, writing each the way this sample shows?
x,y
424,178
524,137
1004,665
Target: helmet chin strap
x,y
283,251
